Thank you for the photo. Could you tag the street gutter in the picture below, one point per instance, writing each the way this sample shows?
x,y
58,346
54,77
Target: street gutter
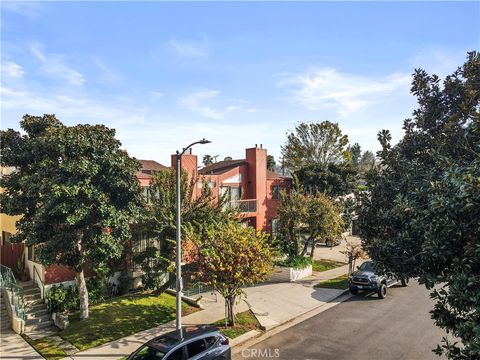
x,y
252,337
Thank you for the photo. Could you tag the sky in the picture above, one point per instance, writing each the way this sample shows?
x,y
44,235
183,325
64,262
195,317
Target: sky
x,y
167,74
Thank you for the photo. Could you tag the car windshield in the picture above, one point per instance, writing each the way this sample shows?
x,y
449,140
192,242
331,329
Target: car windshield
x,y
366,266
148,353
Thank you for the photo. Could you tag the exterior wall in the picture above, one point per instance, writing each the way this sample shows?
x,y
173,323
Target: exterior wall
x,y
273,204
257,182
7,222
189,164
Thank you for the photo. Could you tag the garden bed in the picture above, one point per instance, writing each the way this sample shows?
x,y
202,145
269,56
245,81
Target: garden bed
x,y
244,322
289,274
325,265
340,282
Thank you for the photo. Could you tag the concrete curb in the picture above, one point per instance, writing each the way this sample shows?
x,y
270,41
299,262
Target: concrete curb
x,y
255,337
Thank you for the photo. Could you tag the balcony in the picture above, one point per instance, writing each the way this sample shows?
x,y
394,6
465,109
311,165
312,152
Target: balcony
x,y
243,206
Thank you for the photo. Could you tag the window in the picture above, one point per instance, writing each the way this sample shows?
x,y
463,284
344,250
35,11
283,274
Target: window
x,y
196,347
6,237
148,353
233,192
176,355
274,227
276,191
210,341
145,193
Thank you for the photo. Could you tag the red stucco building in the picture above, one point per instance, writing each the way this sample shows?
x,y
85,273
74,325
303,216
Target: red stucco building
x,y
252,189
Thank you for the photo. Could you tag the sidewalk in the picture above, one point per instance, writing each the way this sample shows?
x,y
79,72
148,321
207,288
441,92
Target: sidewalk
x,y
272,303
13,347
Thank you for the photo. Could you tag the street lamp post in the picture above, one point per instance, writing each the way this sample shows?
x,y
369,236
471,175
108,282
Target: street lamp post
x,y
178,260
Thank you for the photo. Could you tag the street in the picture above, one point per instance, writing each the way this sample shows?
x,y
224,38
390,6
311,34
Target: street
x,y
363,327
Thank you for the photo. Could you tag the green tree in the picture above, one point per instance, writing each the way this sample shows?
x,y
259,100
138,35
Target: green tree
x,y
270,163
315,144
333,180
76,190
319,157
356,153
159,224
305,218
367,162
422,214
207,160
230,257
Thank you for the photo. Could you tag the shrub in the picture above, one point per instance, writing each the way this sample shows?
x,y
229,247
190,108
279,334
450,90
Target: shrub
x,y
63,298
297,262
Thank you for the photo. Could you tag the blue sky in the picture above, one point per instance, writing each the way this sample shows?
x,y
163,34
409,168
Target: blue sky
x,y
239,74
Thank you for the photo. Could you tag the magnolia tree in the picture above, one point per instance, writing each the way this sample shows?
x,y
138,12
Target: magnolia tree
x,y
76,191
421,216
229,257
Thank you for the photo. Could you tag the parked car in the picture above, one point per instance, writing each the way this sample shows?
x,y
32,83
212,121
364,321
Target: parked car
x,y
365,279
197,342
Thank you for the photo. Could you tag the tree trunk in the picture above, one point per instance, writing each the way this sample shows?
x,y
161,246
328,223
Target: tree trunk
x,y
83,294
305,247
230,301
314,242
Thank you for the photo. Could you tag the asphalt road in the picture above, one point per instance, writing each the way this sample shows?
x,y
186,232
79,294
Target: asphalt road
x,y
363,327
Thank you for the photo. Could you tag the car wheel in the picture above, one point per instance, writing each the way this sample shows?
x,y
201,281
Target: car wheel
x,y
404,281
382,291
328,243
354,291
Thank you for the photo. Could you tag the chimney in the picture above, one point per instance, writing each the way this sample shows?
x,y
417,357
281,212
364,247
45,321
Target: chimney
x,y
257,185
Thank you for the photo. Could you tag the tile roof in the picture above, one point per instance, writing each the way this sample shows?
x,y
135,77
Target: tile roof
x,y
221,166
274,175
150,165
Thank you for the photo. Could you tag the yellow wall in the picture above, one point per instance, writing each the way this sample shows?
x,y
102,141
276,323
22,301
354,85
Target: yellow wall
x,y
7,222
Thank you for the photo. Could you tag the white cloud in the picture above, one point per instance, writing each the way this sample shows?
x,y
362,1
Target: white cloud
x,y
438,61
326,88
54,64
11,69
189,49
28,9
207,103
156,95
106,73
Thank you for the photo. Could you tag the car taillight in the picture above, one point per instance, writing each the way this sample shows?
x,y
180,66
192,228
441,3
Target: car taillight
x,y
224,341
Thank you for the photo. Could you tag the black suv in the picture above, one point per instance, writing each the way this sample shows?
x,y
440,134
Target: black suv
x,y
195,343
365,279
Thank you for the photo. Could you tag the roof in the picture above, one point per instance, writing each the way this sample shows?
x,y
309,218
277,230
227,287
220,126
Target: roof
x,y
274,175
150,165
221,166
142,175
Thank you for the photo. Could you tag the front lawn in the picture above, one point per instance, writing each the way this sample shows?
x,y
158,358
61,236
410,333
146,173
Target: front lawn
x,y
47,347
244,322
340,282
120,317
324,265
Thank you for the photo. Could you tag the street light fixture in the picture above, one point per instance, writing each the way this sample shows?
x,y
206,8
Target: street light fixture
x,y
178,260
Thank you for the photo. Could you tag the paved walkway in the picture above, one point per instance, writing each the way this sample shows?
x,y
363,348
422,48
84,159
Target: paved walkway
x,y
273,304
13,347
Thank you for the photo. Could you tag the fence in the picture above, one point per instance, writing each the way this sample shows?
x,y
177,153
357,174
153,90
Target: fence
x,y
11,256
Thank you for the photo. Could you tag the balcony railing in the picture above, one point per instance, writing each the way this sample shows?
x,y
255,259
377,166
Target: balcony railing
x,y
243,206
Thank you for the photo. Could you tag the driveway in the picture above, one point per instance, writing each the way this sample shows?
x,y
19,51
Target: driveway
x,y
334,253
